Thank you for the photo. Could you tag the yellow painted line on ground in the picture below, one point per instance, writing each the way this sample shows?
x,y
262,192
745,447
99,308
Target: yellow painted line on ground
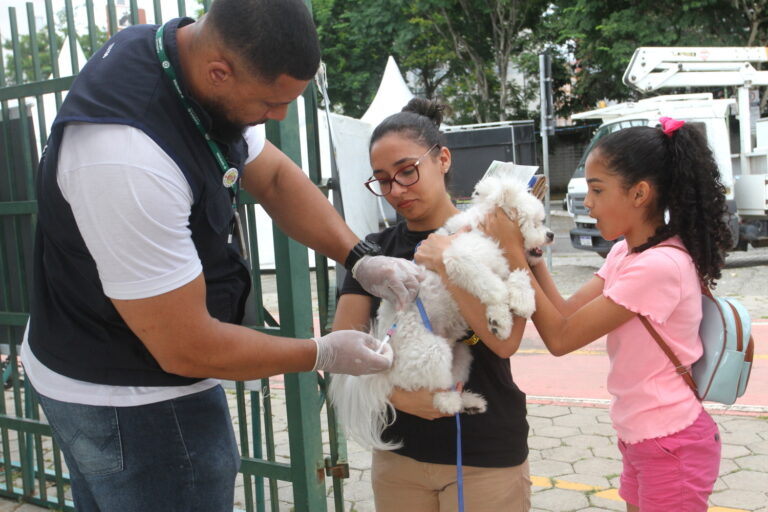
x,y
609,494
600,492
573,486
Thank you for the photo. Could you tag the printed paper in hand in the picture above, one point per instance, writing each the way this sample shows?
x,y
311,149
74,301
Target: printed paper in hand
x,y
522,172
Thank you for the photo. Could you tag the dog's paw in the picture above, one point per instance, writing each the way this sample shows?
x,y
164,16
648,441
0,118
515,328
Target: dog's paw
x,y
522,299
473,403
448,402
499,320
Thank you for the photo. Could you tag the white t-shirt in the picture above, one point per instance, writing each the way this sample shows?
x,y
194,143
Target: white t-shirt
x,y
133,214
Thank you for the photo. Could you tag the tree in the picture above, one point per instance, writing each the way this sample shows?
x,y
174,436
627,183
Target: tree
x,y
44,54
484,36
602,35
27,67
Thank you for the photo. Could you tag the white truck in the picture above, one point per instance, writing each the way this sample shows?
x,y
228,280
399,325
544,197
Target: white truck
x,y
743,171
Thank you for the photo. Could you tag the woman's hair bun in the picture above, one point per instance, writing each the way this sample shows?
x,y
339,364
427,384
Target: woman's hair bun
x,y
427,108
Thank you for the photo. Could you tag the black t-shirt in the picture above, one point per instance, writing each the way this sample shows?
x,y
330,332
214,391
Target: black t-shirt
x,y
495,438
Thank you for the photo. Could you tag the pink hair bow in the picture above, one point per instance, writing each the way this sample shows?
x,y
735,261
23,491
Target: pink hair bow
x,y
669,125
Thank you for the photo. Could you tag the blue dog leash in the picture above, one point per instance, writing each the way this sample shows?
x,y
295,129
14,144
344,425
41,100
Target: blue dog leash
x,y
459,479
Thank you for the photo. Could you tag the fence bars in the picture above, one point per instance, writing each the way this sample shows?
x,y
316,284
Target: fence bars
x,y
31,91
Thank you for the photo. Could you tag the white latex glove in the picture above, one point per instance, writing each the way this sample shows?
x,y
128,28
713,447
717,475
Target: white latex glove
x,y
351,352
393,279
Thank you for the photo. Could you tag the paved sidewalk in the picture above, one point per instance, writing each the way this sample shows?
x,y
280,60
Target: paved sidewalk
x,y
574,461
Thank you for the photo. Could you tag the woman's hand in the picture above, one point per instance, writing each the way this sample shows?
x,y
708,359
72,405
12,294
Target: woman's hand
x,y
418,403
430,252
506,231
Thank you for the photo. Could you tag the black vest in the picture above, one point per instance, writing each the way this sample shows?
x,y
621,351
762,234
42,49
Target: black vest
x,y
74,328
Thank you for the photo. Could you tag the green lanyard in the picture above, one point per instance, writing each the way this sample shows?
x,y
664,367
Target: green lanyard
x,y
230,175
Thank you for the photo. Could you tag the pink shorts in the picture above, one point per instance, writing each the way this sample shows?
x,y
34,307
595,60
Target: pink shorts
x,y
676,472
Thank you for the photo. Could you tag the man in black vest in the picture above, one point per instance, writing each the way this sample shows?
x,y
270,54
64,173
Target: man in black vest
x,y
139,286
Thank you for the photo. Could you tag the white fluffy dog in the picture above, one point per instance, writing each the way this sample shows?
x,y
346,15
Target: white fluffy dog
x,y
435,360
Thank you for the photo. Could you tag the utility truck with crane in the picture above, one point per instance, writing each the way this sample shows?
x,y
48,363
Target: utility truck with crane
x,y
744,172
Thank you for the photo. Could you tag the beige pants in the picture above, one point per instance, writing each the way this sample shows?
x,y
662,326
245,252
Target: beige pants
x,y
402,484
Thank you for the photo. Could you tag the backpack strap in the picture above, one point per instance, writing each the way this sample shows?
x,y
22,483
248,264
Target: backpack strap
x,y
681,370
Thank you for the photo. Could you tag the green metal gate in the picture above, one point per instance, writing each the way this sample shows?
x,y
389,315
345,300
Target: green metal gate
x,y
31,466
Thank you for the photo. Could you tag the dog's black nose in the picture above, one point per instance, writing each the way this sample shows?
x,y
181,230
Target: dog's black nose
x,y
550,236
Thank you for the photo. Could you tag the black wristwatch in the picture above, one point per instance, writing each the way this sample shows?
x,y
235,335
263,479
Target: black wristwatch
x,y
362,248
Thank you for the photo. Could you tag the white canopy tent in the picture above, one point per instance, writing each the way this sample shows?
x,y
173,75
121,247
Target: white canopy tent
x,y
391,97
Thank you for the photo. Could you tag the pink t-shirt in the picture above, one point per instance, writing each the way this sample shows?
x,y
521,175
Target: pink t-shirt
x,y
649,399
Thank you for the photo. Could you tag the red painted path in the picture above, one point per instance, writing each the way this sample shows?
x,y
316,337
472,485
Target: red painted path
x,y
582,374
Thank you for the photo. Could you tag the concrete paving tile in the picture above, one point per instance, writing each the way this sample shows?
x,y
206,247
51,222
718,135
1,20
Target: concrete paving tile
x,y
761,447
357,491
736,424
749,500
732,451
740,437
557,500
557,431
534,455
359,460
594,481
600,429
10,506
607,452
614,503
567,453
755,462
574,420
747,480
550,468
598,467
535,422
541,443
590,441
548,411
728,466
362,506
589,411
719,485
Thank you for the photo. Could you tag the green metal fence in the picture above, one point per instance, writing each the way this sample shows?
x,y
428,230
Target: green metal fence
x,y
32,84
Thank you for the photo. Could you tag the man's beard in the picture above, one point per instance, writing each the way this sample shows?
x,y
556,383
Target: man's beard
x,y
223,128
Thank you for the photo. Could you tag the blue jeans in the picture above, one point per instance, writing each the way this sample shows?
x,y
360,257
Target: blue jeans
x,y
178,455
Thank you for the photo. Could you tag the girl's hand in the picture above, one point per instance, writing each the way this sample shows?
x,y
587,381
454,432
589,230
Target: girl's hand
x,y
430,252
418,403
506,231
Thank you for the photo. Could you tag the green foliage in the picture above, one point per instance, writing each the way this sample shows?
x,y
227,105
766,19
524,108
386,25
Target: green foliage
x,y
44,54
603,34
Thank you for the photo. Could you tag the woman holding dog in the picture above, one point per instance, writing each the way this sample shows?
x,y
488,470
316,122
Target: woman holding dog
x,y
410,165
659,189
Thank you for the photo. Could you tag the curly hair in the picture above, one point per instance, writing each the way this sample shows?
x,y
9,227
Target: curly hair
x,y
682,169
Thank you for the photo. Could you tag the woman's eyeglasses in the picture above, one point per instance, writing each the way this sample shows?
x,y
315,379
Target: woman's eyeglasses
x,y
404,177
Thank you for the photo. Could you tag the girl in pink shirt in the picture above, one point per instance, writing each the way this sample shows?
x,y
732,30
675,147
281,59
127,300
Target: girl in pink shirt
x,y
670,445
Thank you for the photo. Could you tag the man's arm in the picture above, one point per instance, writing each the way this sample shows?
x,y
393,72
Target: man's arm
x,y
296,204
185,340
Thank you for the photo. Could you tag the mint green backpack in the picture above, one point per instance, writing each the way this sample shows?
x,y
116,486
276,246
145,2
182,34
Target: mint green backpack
x,y
722,372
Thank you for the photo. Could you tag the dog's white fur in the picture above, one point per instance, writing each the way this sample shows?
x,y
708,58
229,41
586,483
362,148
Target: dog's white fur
x,y
434,360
